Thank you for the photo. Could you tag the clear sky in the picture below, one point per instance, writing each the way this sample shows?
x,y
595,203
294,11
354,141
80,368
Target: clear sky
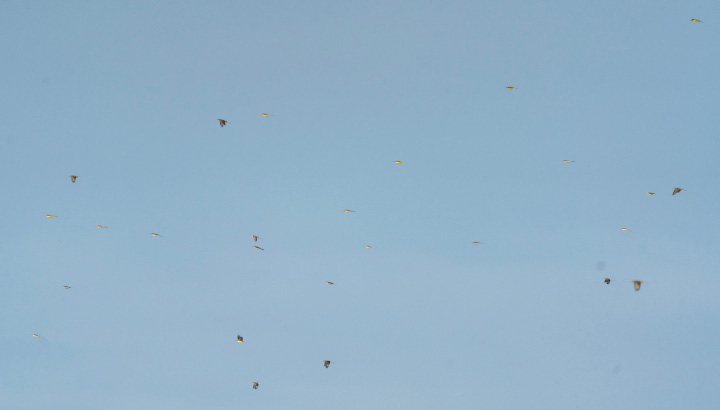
x,y
126,95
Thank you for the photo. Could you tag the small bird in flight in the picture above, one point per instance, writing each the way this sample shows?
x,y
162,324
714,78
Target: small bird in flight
x,y
222,122
677,190
607,281
255,385
368,246
51,216
511,88
73,178
36,335
100,226
477,243
255,237
650,193
66,287
625,229
329,283
265,115
398,162
695,21
567,161
327,363
637,284
155,234
240,339
347,210
257,247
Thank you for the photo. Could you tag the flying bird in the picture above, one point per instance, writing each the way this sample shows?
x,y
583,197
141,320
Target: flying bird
x,y
368,246
255,237
695,21
255,385
625,229
329,283
477,243
100,226
155,234
676,190
36,335
257,247
567,161
607,280
73,178
265,115
637,284
347,210
240,339
327,363
511,88
66,287
222,122
51,216
398,162
650,193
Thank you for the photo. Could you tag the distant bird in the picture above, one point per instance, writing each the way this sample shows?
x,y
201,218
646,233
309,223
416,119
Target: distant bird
x,y
100,226
398,162
695,21
255,385
255,237
637,284
73,178
511,88
650,193
607,280
625,229
66,287
368,246
222,122
257,247
155,234
567,161
51,216
327,363
265,115
676,190
36,335
477,243
240,339
347,210
329,283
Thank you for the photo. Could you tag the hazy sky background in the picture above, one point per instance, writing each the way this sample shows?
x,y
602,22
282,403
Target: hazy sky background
x,y
126,95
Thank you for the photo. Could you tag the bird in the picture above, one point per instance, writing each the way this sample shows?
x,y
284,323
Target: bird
x,y
66,287
222,122
625,229
676,190
347,210
398,162
100,226
51,216
511,88
155,234
637,284
650,193
368,246
329,283
240,339
255,385
327,363
477,243
567,161
73,178
36,335
695,21
607,280
265,115
257,247
255,237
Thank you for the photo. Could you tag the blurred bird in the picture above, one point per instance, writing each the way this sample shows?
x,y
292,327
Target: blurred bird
x,y
73,178
695,21
222,122
155,234
66,287
327,363
100,226
347,210
607,280
51,216
637,284
255,237
265,115
255,385
676,190
36,335
625,229
368,246
567,161
398,162
257,247
329,283
477,243
240,339
511,88
650,193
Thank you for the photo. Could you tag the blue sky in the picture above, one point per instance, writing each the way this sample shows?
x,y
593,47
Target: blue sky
x,y
126,95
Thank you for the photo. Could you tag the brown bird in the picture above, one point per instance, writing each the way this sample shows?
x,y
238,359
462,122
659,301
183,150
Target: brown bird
x,y
677,190
73,178
329,283
695,21
100,226
66,287
650,193
637,284
155,234
255,237
511,88
347,210
368,246
255,385
327,363
607,280
257,247
567,161
36,335
240,339
265,115
222,122
51,216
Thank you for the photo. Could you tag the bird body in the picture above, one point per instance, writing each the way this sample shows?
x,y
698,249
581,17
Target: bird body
x,y
66,287
100,226
255,385
650,193
257,247
398,162
511,88
240,339
567,161
329,283
73,178
326,363
155,234
222,122
695,21
368,246
477,243
36,335
348,210
607,281
636,284
625,229
265,115
51,216
255,237
677,190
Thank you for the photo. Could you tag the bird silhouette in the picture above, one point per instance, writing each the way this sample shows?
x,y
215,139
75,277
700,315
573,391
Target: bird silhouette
x,y
607,280
155,234
327,363
368,246
100,226
637,284
348,210
567,161
677,190
650,193
477,243
329,283
73,178
255,237
511,88
265,115
66,287
240,339
257,247
255,385
36,335
51,216
222,122
695,21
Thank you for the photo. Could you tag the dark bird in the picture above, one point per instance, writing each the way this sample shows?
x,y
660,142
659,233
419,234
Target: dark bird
x,y
327,363
607,280
255,385
255,237
240,339
222,122
637,284
257,247
676,190
73,178
330,283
